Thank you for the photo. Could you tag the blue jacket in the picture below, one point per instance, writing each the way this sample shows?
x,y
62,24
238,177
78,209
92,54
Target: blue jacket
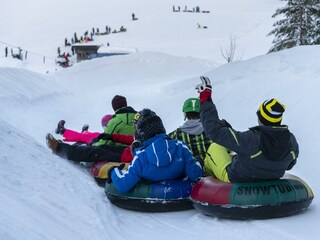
x,y
158,159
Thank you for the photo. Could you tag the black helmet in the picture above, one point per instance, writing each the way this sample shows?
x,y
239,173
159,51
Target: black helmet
x,y
147,124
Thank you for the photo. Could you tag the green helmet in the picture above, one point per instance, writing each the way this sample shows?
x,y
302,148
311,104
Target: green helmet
x,y
191,105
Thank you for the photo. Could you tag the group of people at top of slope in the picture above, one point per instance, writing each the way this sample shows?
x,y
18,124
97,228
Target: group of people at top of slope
x,y
203,145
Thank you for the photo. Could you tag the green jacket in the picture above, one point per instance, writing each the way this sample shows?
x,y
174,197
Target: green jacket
x,y
122,122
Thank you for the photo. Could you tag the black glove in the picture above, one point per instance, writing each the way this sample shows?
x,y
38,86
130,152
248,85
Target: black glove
x,y
105,136
224,123
121,166
135,144
199,160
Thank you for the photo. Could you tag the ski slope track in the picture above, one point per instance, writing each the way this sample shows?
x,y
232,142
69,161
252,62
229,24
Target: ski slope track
x,y
46,197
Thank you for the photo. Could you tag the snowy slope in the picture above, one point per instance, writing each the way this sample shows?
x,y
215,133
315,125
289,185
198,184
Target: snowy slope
x,y
45,197
41,27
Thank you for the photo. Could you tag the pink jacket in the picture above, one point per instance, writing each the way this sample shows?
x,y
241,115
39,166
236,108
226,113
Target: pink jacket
x,y
73,136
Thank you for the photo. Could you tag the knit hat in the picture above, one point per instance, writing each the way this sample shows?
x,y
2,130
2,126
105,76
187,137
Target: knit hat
x,y
118,102
105,119
148,124
270,112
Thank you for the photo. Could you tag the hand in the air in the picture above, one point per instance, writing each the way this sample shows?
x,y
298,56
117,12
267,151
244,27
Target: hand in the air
x,y
205,89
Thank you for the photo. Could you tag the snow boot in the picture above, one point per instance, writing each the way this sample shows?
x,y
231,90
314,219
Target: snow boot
x,y
60,128
52,143
85,128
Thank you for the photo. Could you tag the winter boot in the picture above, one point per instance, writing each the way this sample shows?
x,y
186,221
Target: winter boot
x,y
52,143
60,128
85,128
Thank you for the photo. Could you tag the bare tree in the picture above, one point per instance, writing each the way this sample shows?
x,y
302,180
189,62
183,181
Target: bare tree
x,y
229,54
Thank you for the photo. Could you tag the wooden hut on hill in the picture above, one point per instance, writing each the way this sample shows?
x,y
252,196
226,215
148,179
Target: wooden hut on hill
x,y
85,51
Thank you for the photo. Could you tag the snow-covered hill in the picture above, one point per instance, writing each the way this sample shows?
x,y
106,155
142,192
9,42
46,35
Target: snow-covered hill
x,y
45,197
40,28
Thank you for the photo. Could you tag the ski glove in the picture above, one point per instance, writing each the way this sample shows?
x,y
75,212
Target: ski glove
x,y
121,166
205,89
105,136
136,144
199,160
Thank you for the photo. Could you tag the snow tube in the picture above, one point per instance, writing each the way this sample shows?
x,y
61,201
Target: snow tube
x,y
146,196
99,170
251,200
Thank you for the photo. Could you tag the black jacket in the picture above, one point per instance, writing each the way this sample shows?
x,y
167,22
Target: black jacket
x,y
263,152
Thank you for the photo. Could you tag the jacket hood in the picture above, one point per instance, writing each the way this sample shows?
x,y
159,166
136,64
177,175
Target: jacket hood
x,y
192,126
125,110
126,115
274,141
159,151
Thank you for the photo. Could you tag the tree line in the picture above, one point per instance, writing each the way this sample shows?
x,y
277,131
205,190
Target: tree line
x,y
300,25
